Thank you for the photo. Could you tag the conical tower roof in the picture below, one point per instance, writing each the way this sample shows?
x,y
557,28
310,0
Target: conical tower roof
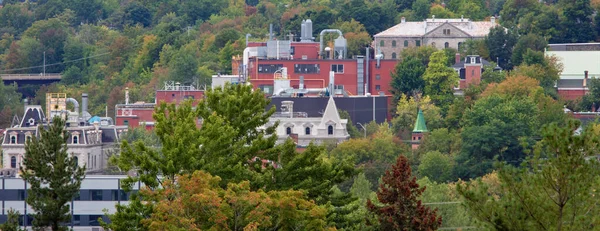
x,y
420,126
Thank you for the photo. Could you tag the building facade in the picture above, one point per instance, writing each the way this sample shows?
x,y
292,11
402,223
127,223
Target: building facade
x,y
581,62
89,143
440,33
304,129
97,193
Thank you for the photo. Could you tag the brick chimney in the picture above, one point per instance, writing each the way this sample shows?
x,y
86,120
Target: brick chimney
x,y
457,58
403,20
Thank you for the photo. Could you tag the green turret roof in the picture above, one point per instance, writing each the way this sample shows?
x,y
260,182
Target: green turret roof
x,y
420,126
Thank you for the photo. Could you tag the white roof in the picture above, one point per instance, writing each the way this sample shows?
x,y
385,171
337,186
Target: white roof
x,y
575,63
417,29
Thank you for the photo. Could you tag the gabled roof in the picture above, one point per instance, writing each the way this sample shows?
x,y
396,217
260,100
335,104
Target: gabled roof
x,y
417,29
420,126
331,114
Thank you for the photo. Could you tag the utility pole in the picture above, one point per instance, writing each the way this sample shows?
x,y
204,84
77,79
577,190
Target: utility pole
x,y
364,129
44,63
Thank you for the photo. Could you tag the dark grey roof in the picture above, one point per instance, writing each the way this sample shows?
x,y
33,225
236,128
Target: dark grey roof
x,y
570,83
574,47
32,113
359,108
478,59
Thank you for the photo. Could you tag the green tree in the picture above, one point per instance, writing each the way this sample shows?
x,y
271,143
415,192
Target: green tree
x,y
578,23
12,221
439,80
54,176
10,103
406,114
421,9
524,43
495,127
500,43
553,190
352,129
408,77
436,166
402,210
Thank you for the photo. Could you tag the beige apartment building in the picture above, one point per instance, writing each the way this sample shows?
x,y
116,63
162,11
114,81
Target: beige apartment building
x,y
440,33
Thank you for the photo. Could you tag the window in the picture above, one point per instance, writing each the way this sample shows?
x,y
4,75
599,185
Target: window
x,y
337,68
76,220
27,137
77,196
114,195
13,139
21,194
76,161
126,122
307,131
124,195
94,220
418,43
446,45
75,139
96,195
377,87
269,68
433,44
405,43
394,43
447,31
394,55
381,43
330,130
459,45
288,130
377,77
307,68
13,162
472,72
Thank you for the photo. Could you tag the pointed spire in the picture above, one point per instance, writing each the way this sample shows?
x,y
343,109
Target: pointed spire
x,y
420,126
331,113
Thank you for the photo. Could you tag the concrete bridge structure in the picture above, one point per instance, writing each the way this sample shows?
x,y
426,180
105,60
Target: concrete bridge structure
x,y
34,79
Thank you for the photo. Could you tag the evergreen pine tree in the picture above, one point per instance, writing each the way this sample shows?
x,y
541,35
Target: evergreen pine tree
x,y
12,221
54,176
399,193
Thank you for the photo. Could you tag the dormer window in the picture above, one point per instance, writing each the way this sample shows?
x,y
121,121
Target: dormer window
x,y
75,137
31,121
288,131
330,130
13,138
307,131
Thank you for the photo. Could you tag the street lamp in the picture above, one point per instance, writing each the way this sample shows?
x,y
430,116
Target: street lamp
x,y
364,129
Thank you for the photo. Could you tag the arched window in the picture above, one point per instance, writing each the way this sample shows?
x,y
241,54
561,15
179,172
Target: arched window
x,y
307,131
446,45
405,43
433,44
13,139
27,138
394,55
76,161
75,139
381,43
330,130
393,43
13,162
459,45
288,130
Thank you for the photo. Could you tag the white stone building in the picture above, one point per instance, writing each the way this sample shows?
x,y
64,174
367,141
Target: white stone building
x,y
89,143
440,33
329,127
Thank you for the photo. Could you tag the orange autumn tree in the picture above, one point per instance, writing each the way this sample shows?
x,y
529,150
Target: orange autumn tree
x,y
514,86
197,202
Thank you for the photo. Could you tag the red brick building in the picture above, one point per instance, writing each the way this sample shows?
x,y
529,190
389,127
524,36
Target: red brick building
x,y
140,113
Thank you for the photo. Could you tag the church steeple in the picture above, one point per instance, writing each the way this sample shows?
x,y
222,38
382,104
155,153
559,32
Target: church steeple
x,y
420,125
419,130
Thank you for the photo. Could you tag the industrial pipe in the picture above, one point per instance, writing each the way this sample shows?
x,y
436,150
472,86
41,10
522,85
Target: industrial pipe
x,y
75,104
327,31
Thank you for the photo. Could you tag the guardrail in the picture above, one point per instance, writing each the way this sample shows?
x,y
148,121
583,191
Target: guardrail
x,y
47,76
